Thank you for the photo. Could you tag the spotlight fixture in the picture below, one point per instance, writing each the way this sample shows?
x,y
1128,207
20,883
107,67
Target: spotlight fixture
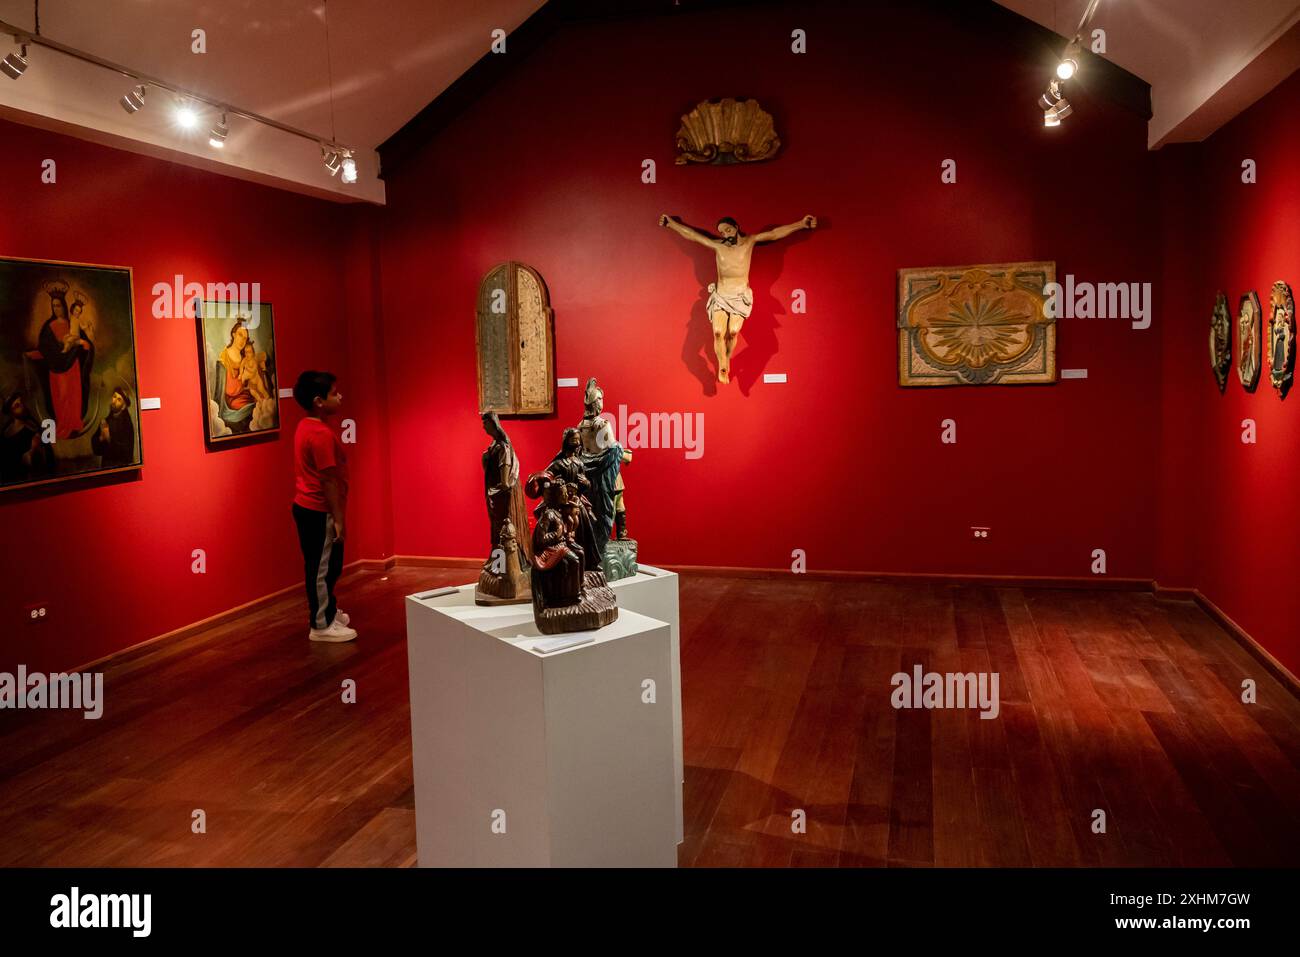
x,y
1068,66
191,107
1053,103
133,102
217,138
15,64
1048,99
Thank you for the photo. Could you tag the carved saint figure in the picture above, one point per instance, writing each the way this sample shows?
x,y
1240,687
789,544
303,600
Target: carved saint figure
x,y
730,298
1248,350
504,576
568,467
1220,340
1281,338
603,459
567,594
558,562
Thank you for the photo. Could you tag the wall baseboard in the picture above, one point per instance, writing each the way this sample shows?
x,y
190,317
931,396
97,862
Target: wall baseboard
x,y
436,561
726,571
185,631
1239,634
920,578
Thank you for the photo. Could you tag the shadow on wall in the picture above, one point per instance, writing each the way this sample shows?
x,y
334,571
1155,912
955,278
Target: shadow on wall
x,y
758,341
70,483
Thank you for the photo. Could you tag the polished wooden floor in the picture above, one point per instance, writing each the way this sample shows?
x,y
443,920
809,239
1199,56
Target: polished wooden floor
x,y
1110,700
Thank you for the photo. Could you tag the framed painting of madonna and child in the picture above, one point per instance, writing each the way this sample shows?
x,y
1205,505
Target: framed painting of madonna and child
x,y
67,372
238,373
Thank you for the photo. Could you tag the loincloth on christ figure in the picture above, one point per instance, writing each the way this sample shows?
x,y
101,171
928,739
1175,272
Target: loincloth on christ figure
x,y
736,303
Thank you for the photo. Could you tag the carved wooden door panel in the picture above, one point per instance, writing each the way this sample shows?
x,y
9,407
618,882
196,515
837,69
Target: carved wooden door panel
x,y
494,342
515,336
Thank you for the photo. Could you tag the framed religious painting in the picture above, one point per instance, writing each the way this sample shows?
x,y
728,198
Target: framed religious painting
x,y
67,372
976,325
1281,338
1248,333
514,336
1220,340
237,370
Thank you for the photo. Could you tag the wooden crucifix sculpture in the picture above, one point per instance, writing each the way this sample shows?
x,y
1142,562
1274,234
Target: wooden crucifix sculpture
x,y
730,298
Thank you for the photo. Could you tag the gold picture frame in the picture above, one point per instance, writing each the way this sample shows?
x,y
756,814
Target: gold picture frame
x,y
68,372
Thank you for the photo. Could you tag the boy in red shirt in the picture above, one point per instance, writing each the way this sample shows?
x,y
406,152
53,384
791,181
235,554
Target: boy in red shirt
x,y
320,502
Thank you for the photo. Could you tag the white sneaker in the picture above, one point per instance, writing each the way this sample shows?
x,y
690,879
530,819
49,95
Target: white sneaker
x,y
335,632
342,618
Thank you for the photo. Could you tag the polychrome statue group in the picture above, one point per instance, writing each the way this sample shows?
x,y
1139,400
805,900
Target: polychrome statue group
x,y
564,565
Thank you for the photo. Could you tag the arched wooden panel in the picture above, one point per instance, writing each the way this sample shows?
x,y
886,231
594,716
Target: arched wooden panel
x,y
516,342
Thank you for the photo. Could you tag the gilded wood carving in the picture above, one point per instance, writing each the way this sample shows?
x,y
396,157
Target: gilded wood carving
x,y
1281,338
1248,335
976,325
1220,340
726,131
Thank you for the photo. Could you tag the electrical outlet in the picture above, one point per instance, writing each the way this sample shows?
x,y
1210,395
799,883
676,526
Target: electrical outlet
x,y
36,611
979,531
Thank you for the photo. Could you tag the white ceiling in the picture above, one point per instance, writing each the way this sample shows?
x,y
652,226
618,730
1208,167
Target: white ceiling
x,y
1200,56
390,58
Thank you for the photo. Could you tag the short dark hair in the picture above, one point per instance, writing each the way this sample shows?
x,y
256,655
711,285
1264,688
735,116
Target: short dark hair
x,y
729,221
312,385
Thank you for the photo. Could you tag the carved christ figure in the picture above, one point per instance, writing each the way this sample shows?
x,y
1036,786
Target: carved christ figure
x,y
730,298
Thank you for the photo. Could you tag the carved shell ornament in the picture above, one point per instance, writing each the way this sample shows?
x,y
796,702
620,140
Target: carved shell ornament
x,y
727,131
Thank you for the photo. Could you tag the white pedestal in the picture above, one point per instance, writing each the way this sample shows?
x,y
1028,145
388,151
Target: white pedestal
x,y
559,747
653,592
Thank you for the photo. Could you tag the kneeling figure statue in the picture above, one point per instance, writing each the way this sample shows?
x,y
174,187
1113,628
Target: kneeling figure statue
x,y
567,595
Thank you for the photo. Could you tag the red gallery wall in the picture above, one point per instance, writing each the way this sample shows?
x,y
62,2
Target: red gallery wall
x,y
1142,458
110,557
840,461
1230,511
